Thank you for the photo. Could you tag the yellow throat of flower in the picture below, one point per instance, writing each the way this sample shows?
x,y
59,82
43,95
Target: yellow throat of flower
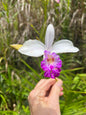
x,y
50,59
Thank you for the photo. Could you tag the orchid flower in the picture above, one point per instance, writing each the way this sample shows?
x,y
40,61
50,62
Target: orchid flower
x,y
57,1
51,63
36,48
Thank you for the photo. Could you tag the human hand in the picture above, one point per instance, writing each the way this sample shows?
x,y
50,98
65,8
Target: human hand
x,y
44,98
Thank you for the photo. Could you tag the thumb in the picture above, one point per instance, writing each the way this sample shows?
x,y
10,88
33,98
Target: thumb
x,y
55,91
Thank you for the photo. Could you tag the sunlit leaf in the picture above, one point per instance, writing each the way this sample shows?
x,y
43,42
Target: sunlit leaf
x,y
1,59
16,46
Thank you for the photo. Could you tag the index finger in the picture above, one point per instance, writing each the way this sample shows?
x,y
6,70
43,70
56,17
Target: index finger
x,y
43,87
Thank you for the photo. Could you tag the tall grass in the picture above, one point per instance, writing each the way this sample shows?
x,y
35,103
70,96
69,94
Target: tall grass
x,y
21,20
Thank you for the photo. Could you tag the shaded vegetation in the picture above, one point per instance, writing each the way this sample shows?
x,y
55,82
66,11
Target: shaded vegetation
x,y
21,20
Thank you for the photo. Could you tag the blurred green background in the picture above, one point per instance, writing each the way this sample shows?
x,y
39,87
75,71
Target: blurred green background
x,y
21,20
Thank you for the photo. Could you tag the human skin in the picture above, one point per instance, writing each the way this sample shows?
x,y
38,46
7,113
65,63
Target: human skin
x,y
44,98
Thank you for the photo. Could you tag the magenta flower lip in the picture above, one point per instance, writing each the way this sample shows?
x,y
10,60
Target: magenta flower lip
x,y
51,64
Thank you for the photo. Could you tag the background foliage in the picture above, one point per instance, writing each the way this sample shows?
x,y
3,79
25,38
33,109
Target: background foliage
x,y
21,20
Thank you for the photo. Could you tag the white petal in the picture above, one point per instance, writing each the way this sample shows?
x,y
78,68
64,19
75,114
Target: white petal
x,y
64,46
32,48
49,37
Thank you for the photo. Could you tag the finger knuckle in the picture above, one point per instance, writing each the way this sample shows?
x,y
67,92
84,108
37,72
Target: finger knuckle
x,y
31,95
61,81
42,80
